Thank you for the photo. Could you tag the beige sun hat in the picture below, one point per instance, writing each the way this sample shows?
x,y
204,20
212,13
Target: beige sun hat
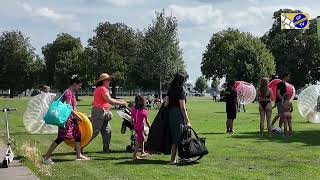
x,y
103,77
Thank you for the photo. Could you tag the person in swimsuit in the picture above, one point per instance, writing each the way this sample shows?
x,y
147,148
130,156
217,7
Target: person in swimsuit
x,y
286,115
265,108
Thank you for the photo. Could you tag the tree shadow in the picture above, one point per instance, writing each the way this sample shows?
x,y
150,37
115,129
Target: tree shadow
x,y
62,160
64,154
29,134
188,163
96,158
208,133
309,138
143,161
220,112
101,152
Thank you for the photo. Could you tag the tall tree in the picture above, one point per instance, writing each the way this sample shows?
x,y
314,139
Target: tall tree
x,y
16,58
295,51
201,84
160,56
62,58
113,49
238,56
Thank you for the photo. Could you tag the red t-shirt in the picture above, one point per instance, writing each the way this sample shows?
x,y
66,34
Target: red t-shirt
x,y
98,100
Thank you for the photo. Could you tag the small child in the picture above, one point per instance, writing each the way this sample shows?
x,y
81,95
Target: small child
x,y
286,116
139,116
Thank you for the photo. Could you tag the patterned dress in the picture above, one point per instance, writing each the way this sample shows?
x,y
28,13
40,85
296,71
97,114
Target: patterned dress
x,y
71,130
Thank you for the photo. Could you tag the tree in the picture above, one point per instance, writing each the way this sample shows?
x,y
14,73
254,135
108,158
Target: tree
x,y
16,58
201,84
62,59
295,51
214,84
113,49
160,56
238,56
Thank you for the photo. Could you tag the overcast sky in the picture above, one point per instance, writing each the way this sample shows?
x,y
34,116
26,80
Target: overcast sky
x,y
42,20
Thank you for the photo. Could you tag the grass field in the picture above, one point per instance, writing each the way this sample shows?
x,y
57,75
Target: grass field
x,y
240,156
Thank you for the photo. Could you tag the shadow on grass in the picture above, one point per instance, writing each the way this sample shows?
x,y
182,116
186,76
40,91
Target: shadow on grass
x,y
220,112
143,161
96,158
309,138
101,152
28,134
213,133
84,105
62,160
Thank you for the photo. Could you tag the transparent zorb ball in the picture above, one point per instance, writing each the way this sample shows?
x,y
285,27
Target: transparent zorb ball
x,y
36,110
246,92
309,104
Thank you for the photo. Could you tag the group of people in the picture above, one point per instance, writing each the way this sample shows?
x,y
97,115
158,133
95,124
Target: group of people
x,y
175,101
264,94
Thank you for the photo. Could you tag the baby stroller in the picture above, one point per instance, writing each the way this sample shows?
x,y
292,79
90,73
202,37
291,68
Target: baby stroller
x,y
125,114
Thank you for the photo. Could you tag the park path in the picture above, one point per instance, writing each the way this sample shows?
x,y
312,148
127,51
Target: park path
x,y
15,170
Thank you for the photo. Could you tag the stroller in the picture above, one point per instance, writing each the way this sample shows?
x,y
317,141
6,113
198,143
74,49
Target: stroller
x,y
125,114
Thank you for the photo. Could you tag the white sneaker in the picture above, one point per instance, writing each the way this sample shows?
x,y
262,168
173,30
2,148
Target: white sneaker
x,y
47,161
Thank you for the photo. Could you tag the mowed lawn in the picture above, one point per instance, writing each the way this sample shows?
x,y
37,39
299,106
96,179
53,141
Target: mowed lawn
x,y
240,156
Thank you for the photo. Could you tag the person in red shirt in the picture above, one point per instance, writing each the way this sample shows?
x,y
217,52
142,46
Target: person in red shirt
x,y
100,114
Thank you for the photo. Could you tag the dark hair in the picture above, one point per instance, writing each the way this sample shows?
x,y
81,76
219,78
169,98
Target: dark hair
x,y
178,80
285,96
99,83
139,102
75,79
230,83
284,75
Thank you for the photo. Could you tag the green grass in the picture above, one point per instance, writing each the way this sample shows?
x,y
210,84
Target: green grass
x,y
240,156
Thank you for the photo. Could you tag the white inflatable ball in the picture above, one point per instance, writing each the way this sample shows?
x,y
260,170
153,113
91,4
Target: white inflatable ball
x,y
35,111
309,104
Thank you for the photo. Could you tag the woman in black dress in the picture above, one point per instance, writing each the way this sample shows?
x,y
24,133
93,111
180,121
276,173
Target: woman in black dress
x,y
178,116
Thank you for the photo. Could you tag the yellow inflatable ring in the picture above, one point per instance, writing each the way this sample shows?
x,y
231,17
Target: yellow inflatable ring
x,y
85,127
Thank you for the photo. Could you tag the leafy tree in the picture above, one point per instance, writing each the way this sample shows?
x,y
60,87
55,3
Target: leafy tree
x,y
62,58
160,56
238,56
17,58
295,51
201,84
113,49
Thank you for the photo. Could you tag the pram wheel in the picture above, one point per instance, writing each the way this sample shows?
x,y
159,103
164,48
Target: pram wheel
x,y
129,149
5,163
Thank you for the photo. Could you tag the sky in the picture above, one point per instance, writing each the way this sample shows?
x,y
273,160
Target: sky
x,y
42,20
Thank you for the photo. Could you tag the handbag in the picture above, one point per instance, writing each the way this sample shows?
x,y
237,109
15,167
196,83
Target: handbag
x,y
190,147
58,113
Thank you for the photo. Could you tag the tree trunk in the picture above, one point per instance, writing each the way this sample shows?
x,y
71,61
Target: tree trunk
x,y
160,89
11,93
113,89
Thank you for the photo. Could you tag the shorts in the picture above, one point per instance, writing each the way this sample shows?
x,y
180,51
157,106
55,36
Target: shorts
x,y
140,136
231,112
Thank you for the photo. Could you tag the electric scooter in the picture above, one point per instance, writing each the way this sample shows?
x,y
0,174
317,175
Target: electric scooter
x,y
9,153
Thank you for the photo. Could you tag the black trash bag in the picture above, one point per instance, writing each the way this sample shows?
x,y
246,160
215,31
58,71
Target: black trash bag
x,y
159,138
190,147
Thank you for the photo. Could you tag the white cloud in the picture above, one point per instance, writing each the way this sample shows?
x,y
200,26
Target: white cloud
x,y
191,44
45,12
196,14
122,3
64,20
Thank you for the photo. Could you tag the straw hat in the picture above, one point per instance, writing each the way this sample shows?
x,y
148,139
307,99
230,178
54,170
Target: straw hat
x,y
103,77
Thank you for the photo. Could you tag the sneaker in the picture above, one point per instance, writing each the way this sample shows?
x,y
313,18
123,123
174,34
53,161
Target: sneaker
x,y
47,161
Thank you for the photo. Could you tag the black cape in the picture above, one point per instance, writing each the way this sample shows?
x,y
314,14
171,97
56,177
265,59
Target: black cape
x,y
159,139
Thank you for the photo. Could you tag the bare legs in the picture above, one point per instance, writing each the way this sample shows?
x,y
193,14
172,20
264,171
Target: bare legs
x,y
173,154
265,113
229,125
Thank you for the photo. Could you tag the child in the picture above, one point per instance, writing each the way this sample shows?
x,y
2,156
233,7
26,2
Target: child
x,y
139,115
231,106
286,116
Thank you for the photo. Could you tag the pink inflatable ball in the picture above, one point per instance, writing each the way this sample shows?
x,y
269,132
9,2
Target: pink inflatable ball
x,y
246,92
291,91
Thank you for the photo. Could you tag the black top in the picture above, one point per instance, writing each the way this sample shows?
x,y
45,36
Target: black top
x,y
282,87
231,95
175,95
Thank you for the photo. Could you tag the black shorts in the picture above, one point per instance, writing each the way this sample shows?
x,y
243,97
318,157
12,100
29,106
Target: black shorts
x,y
231,112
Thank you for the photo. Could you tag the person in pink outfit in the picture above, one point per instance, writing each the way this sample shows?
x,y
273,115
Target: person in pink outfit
x,y
139,116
